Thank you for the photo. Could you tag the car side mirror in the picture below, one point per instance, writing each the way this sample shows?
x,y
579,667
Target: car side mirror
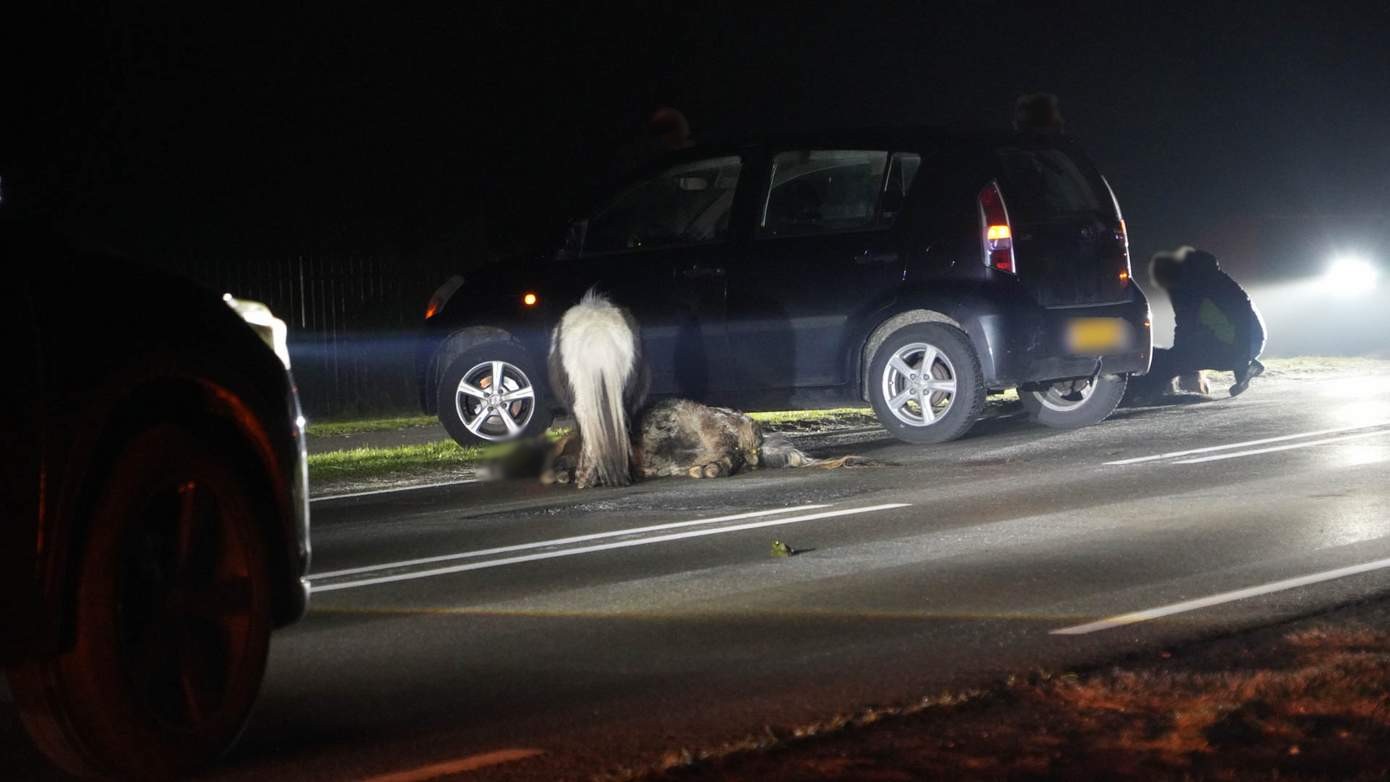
x,y
574,240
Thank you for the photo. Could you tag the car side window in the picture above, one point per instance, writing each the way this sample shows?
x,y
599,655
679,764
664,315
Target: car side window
x,y
688,204
822,191
901,172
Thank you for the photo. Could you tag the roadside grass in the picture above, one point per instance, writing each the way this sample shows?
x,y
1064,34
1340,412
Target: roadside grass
x,y
1302,366
1313,703
815,420
397,461
361,425
404,461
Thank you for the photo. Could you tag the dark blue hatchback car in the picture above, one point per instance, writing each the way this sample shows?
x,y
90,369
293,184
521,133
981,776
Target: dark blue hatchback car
x,y
916,269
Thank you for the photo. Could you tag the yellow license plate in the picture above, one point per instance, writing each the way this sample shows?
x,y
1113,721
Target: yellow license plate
x,y
1098,335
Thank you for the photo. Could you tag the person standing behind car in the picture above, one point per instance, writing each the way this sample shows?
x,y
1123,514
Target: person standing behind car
x,y
1039,112
1216,326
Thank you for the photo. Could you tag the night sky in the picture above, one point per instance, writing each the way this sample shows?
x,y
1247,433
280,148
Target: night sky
x,y
1261,130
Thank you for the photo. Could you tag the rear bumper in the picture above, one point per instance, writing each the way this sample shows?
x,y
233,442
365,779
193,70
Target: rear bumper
x,y
1027,346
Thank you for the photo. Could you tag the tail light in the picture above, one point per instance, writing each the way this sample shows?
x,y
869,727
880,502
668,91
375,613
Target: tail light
x,y
1121,233
1122,241
998,234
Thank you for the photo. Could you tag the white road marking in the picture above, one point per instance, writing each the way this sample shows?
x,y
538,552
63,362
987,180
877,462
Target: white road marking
x,y
570,552
451,767
558,542
400,490
1289,447
1246,444
1224,597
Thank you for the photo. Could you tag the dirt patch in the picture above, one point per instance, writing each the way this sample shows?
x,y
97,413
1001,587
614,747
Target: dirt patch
x,y
1308,704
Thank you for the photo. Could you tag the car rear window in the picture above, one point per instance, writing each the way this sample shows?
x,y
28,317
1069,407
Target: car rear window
x,y
1045,184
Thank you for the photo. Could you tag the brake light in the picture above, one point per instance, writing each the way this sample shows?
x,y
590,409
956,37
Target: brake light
x,y
1122,238
1122,234
998,233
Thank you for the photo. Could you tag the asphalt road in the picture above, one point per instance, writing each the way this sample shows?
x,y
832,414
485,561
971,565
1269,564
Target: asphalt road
x,y
607,627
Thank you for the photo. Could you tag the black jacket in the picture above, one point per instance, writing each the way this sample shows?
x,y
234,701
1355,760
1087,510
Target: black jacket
x,y
1212,314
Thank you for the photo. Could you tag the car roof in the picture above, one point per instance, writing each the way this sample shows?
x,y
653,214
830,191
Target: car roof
x,y
881,137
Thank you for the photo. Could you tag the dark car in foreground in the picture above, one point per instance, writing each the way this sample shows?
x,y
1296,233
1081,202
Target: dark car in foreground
x,y
153,509
915,269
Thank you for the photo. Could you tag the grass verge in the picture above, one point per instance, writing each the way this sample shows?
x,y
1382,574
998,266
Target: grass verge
x,y
396,461
1312,703
1303,366
358,426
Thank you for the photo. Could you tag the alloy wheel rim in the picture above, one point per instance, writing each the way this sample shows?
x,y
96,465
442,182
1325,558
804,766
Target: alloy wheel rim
x,y
1067,395
919,384
495,400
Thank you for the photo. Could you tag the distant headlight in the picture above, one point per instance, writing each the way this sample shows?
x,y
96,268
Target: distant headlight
x,y
269,328
1349,276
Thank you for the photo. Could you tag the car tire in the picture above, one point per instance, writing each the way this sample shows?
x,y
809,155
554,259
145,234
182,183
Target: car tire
x,y
947,404
468,410
172,614
1069,405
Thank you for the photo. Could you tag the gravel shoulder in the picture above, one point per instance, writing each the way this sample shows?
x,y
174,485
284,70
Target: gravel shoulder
x,y
1305,700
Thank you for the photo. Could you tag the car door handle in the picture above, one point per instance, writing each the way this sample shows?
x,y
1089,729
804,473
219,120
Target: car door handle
x,y
868,258
697,271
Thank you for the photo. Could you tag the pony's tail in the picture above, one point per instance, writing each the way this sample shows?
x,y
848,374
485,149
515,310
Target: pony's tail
x,y
595,357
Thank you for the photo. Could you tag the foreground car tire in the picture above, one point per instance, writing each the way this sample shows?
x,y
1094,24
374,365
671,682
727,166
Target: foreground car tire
x,y
925,383
473,411
1070,404
172,617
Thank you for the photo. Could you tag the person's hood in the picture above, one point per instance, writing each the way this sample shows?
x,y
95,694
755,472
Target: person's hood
x,y
1182,265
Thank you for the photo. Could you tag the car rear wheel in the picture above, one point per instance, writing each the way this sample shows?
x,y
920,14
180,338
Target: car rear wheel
x,y
1069,404
171,622
925,383
490,394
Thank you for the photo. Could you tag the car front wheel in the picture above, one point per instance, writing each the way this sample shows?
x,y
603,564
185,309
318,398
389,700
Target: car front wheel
x,y
1069,404
925,383
172,619
490,394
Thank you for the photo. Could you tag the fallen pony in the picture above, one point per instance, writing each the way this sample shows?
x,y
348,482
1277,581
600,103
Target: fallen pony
x,y
682,437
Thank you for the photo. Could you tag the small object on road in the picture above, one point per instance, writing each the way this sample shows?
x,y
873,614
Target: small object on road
x,y
780,549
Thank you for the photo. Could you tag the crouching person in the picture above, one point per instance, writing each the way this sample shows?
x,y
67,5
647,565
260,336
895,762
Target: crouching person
x,y
1216,326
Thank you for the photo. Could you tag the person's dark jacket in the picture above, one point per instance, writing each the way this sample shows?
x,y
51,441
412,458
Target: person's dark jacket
x,y
1213,316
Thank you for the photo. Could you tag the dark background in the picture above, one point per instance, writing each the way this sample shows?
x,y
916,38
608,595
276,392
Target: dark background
x,y
367,126
439,140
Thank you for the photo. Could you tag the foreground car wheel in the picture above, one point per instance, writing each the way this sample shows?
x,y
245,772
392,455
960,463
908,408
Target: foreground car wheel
x,y
1067,404
925,385
489,394
172,618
